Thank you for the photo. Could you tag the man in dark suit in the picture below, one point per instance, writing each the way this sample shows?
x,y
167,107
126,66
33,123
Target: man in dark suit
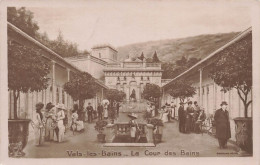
x,y
100,111
182,116
90,112
221,118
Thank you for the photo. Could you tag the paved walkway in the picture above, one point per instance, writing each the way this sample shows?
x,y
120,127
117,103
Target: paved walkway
x,y
174,144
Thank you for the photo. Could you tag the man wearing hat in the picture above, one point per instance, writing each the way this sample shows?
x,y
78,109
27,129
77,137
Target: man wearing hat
x,y
221,118
182,117
59,136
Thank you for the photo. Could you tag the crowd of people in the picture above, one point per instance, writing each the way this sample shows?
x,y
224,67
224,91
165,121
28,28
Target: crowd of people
x,y
50,123
191,118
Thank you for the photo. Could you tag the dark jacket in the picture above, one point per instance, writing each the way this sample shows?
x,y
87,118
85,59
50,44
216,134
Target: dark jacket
x,y
100,109
90,109
222,124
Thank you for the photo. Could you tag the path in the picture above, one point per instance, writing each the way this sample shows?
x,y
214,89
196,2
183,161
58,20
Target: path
x,y
172,141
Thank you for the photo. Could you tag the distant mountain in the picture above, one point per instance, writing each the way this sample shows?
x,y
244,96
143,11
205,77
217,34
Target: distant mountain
x,y
171,50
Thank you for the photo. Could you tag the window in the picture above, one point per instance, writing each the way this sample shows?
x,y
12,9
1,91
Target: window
x,y
142,78
148,78
118,79
125,78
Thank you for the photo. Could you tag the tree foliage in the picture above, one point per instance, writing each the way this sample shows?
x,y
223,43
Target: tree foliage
x,y
181,89
233,69
82,86
115,95
27,71
23,19
171,70
155,58
151,92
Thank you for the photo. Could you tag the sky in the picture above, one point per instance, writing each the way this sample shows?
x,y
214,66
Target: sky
x,y
125,22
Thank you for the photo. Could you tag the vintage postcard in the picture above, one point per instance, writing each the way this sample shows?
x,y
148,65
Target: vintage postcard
x,y
105,81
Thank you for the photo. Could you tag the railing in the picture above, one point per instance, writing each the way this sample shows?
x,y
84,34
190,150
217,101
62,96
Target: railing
x,y
123,128
154,65
113,65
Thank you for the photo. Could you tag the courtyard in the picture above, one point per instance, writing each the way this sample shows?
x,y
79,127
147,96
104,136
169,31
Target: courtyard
x,y
174,144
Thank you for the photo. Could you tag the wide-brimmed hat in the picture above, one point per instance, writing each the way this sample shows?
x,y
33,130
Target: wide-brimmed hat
x,y
40,105
49,106
223,103
60,106
133,115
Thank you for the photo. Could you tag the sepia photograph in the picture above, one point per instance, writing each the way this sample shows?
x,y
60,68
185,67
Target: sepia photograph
x,y
130,79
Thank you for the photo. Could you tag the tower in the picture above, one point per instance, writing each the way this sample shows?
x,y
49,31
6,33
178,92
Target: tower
x,y
105,52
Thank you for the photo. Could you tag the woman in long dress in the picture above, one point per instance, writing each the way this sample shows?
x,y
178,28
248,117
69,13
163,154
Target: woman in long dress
x,y
164,115
106,111
59,136
38,124
133,127
76,124
50,116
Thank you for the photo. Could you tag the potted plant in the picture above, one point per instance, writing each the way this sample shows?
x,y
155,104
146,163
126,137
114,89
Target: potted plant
x,y
233,69
158,129
100,128
27,72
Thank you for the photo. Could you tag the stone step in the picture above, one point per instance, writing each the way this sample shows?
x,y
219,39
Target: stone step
x,y
129,145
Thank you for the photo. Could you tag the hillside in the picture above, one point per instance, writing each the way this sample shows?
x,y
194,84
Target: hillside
x,y
172,49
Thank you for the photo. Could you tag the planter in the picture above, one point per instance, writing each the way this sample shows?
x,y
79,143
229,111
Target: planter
x,y
18,131
101,137
244,134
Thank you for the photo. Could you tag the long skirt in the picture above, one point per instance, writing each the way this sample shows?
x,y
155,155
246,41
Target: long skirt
x,y
105,113
39,134
49,132
165,117
59,136
132,132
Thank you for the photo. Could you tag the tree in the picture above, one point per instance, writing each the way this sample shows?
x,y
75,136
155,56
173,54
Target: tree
x,y
171,70
81,87
233,69
115,95
151,92
141,57
155,58
23,19
27,71
181,89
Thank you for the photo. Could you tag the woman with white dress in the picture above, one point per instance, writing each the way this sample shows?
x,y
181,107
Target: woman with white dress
x,y
106,111
76,124
164,115
38,125
59,136
134,129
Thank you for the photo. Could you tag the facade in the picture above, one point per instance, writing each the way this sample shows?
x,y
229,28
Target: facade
x,y
131,76
60,73
208,94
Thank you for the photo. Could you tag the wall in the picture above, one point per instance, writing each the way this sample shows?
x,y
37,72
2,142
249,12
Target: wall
x,y
212,96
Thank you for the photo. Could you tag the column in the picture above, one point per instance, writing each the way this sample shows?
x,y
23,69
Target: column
x,y
200,70
53,83
66,94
